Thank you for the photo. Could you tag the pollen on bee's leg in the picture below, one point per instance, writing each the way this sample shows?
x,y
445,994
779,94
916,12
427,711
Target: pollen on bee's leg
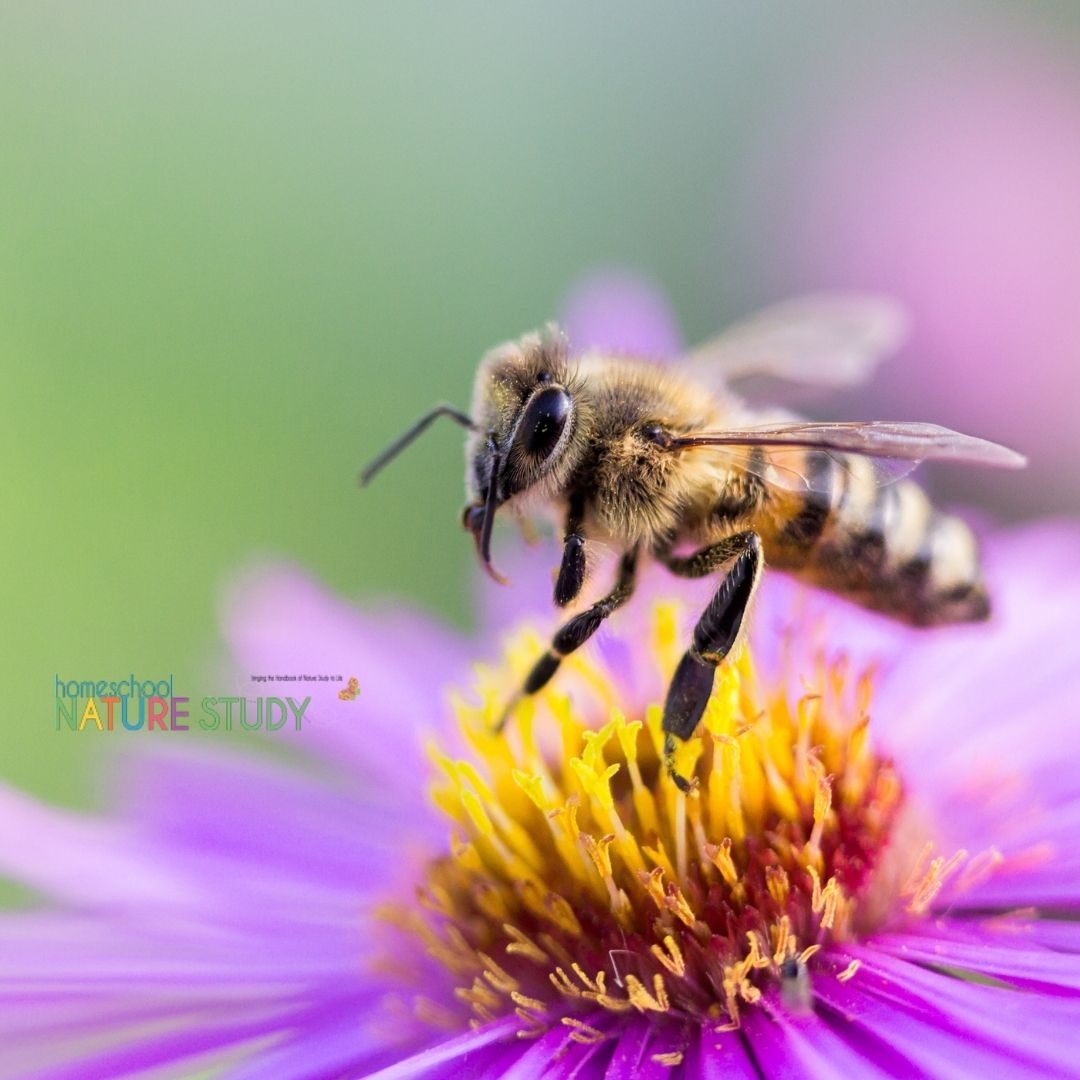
x,y
579,877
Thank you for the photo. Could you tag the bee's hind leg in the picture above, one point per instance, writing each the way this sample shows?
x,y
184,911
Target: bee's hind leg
x,y
574,633
716,634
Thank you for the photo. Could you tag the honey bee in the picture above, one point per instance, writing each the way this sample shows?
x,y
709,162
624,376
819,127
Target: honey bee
x,y
654,457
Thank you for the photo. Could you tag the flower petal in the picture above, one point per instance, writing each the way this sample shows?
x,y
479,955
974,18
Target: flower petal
x,y
999,678
807,1047
948,1026
238,806
626,1061
469,1054
557,1054
620,311
326,1045
172,1046
666,1050
279,622
84,860
719,1056
65,955
1006,956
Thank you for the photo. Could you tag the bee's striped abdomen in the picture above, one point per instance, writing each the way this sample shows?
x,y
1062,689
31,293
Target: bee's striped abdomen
x,y
885,547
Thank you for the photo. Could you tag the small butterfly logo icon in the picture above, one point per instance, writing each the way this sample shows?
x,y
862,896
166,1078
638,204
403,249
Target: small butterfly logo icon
x,y
352,689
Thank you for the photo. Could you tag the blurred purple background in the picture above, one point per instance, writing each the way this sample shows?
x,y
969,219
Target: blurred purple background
x,y
950,178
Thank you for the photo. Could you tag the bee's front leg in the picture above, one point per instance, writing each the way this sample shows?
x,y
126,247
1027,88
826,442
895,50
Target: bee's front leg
x,y
716,634
574,633
571,577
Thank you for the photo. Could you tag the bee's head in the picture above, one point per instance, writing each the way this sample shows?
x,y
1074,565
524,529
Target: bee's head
x,y
525,431
526,416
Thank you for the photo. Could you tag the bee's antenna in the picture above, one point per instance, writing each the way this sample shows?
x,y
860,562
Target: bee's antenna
x,y
413,432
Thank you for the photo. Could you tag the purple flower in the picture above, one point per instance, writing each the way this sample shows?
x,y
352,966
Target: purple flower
x,y
287,924
875,878
622,311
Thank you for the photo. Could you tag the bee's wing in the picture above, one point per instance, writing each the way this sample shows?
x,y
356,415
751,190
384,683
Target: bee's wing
x,y
828,339
894,448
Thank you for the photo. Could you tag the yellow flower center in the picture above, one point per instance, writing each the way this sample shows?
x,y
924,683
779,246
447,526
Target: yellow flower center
x,y
579,877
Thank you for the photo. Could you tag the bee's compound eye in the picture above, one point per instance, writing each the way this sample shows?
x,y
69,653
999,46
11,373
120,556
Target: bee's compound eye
x,y
544,421
472,517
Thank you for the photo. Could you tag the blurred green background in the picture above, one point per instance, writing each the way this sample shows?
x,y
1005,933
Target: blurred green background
x,y
242,244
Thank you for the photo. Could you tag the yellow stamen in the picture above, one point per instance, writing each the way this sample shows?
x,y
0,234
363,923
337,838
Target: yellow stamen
x,y
671,1058
495,975
781,940
572,848
670,956
527,1002
849,971
642,1000
932,881
582,1032
523,945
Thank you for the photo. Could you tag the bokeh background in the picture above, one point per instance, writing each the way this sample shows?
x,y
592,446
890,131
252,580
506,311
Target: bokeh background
x,y
241,245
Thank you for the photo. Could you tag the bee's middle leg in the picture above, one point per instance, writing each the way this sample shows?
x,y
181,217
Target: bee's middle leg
x,y
574,633
716,634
